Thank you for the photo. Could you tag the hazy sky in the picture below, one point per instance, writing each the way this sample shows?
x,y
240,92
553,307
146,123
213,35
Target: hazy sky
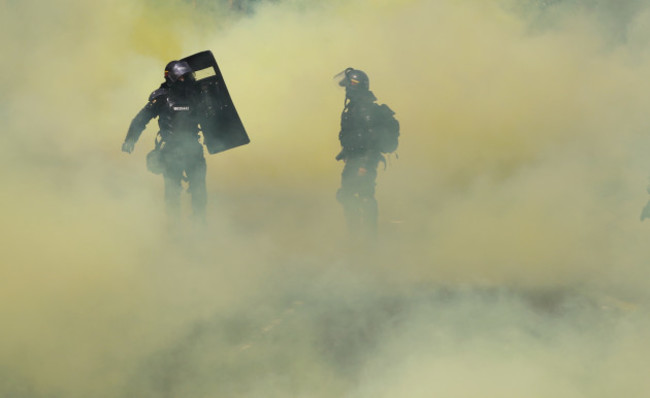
x,y
511,259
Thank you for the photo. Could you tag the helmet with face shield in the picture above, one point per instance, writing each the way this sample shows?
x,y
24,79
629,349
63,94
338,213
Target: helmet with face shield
x,y
178,71
353,79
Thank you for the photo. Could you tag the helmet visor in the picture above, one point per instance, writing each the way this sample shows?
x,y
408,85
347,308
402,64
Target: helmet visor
x,y
342,79
188,77
180,71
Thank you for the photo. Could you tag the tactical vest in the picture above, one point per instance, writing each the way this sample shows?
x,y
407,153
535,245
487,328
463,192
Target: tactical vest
x,y
355,127
178,118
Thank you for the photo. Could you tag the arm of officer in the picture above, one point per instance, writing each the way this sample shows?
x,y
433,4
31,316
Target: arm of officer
x,y
139,122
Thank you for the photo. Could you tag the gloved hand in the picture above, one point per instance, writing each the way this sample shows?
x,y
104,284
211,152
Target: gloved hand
x,y
128,146
645,213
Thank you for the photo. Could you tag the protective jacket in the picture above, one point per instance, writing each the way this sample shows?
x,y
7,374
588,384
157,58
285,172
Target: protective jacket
x,y
357,135
177,115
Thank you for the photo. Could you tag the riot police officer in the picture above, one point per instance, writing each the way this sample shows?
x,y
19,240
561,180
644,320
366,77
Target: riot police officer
x,y
367,131
178,154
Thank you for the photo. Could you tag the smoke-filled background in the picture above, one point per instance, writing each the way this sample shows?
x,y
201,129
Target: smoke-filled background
x,y
511,261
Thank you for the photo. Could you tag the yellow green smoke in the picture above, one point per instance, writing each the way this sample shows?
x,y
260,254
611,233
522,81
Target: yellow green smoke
x,y
522,167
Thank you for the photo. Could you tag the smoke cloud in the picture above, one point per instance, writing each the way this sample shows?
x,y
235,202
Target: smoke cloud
x,y
510,260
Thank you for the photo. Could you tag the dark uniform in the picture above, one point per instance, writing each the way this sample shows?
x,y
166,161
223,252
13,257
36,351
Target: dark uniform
x,y
177,107
361,153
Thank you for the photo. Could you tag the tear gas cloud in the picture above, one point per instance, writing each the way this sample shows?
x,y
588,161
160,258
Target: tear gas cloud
x,y
511,261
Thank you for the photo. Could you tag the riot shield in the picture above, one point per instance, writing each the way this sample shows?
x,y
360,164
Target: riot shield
x,y
222,128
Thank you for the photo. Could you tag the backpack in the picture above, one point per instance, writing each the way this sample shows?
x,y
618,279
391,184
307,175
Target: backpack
x,y
387,129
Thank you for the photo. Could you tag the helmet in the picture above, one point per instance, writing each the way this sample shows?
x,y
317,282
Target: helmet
x,y
167,69
355,79
177,69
